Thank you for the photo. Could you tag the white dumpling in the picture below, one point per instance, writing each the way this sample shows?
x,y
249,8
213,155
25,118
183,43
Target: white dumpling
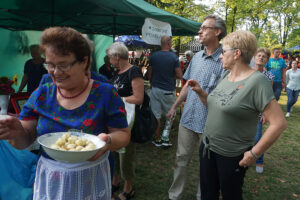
x,y
80,142
79,148
71,146
66,136
60,142
72,139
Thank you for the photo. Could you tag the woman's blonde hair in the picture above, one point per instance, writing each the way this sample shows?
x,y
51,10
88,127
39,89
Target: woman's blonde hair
x,y
245,41
264,50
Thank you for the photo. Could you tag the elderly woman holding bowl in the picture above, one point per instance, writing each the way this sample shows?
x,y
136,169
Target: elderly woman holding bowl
x,y
72,101
233,107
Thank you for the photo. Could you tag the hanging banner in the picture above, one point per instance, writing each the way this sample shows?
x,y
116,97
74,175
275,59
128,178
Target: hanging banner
x,y
153,30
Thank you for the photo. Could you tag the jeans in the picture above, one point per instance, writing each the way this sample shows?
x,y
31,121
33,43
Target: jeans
x,y
260,160
292,98
277,87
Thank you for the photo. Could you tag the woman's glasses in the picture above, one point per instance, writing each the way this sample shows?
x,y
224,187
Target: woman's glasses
x,y
61,67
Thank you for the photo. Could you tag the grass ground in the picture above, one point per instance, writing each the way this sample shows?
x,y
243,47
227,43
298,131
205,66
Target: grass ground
x,y
279,181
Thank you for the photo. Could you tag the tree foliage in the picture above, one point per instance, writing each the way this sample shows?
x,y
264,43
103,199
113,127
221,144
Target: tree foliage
x,y
275,23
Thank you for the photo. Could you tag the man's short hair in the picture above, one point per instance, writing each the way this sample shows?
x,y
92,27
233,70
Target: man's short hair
x,y
274,49
34,47
220,24
165,39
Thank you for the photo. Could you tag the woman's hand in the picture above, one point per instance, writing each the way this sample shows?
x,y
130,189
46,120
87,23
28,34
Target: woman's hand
x,y
10,128
107,139
200,92
247,160
195,86
20,134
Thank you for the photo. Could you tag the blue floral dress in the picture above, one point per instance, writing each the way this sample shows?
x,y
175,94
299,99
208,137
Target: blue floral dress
x,y
87,180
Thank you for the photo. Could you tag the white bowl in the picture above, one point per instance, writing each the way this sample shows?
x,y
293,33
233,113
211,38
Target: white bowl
x,y
69,156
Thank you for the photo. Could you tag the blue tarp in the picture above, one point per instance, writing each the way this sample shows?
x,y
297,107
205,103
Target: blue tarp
x,y
17,172
131,40
294,48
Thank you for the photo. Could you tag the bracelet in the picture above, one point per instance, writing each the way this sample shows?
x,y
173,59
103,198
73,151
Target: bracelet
x,y
253,154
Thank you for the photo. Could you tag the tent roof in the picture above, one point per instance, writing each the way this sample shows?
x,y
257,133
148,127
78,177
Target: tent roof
x,y
107,17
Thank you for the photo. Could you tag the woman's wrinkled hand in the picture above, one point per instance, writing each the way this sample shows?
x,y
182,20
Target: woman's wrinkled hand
x,y
247,160
195,86
106,138
10,128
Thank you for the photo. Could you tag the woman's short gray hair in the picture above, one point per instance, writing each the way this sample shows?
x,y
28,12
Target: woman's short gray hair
x,y
220,24
118,48
189,53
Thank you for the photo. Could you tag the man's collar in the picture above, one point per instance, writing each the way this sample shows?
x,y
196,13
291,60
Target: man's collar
x,y
215,55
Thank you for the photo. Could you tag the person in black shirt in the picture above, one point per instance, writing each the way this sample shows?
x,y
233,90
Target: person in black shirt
x,y
106,69
33,70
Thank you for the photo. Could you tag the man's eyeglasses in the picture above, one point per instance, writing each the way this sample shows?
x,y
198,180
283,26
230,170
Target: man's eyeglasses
x,y
204,28
61,67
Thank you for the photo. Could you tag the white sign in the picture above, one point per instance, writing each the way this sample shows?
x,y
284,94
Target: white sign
x,y
153,30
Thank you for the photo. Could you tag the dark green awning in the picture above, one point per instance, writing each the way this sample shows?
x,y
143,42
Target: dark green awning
x,y
107,17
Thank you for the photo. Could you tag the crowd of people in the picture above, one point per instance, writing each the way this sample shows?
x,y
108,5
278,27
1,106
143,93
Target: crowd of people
x,y
227,101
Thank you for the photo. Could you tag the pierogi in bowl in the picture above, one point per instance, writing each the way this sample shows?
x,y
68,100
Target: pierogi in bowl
x,y
70,147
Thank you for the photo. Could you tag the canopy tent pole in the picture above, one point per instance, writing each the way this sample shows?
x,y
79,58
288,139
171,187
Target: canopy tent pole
x,y
52,12
114,27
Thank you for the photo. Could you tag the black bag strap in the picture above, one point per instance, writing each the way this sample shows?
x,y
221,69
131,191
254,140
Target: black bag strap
x,y
146,101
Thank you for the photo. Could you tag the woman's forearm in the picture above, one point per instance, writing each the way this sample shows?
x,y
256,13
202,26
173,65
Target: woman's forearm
x,y
203,97
269,137
119,138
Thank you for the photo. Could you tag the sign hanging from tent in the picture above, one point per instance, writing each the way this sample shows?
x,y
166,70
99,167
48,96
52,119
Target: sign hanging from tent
x,y
153,30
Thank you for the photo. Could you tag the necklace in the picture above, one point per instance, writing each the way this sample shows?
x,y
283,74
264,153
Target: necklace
x,y
72,97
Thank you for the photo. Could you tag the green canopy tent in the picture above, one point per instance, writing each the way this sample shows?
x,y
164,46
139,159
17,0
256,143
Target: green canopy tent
x,y
107,17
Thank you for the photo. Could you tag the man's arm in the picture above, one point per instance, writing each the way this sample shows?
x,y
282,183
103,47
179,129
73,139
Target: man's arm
x,y
178,73
149,73
23,83
182,96
283,75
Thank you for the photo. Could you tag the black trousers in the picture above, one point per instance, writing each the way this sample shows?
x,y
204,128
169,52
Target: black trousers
x,y
221,173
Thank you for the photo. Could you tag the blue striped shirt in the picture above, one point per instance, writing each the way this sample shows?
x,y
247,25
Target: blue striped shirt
x,y
206,70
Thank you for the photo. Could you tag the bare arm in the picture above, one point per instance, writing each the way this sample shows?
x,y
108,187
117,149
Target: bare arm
x,y
272,114
182,96
149,72
23,83
137,97
178,73
115,139
20,134
283,73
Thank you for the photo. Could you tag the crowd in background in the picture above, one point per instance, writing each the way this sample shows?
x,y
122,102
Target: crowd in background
x,y
226,103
